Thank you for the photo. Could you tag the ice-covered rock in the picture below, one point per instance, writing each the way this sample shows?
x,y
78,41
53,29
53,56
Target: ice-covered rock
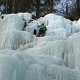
x,y
16,65
25,16
11,21
11,34
13,39
61,32
55,56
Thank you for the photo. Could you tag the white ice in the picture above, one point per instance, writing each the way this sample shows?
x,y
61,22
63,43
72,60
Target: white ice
x,y
23,56
11,27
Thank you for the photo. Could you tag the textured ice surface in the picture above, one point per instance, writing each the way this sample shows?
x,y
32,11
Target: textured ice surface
x,y
11,34
55,56
16,65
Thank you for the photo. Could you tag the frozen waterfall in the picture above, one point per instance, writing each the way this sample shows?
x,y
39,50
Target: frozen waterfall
x,y
23,56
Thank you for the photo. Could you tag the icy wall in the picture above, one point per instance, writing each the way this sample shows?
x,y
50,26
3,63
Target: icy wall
x,y
55,56
11,34
16,65
25,16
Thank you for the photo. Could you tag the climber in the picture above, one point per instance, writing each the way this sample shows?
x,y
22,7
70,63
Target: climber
x,y
42,29
25,24
23,29
34,32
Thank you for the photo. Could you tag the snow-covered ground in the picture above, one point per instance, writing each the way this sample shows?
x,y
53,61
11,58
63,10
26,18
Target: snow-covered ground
x,y
23,56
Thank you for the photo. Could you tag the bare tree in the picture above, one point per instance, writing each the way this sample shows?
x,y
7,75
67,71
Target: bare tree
x,y
37,8
66,10
6,6
78,7
51,6
13,7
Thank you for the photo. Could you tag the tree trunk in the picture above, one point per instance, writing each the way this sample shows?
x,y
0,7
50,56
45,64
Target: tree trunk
x,y
78,5
37,8
19,6
51,3
66,10
6,6
13,7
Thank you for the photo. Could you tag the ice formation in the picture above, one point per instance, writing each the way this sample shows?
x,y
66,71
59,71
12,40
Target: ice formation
x,y
11,27
25,16
23,56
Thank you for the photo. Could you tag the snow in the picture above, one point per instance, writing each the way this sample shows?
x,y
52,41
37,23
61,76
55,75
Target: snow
x,y
23,56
